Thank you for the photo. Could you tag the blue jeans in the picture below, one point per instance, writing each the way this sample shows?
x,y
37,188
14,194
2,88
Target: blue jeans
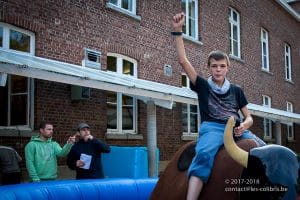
x,y
208,144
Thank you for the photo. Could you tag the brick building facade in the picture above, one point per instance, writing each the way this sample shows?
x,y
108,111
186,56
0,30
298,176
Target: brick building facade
x,y
68,31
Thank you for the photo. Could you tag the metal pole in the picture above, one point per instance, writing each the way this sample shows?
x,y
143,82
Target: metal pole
x,y
151,138
278,132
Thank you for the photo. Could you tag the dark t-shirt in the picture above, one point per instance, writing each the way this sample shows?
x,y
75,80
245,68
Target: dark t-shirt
x,y
218,107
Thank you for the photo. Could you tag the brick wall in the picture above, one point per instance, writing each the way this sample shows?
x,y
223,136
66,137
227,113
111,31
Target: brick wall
x,y
64,28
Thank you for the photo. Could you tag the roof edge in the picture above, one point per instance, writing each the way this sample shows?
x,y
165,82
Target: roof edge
x,y
289,9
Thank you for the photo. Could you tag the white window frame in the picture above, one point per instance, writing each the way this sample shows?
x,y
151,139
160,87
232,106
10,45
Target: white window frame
x,y
287,62
30,82
267,122
264,37
6,32
189,133
290,127
119,130
234,23
118,7
188,16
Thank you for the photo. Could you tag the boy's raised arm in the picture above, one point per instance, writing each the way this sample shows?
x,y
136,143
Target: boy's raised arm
x,y
178,21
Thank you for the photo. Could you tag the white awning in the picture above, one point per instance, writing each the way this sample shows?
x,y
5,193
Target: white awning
x,y
51,70
162,94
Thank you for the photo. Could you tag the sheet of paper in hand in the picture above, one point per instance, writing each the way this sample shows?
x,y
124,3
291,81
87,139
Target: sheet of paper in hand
x,y
87,160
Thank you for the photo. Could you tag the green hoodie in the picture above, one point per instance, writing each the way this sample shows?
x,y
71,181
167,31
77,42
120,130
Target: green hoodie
x,y
41,159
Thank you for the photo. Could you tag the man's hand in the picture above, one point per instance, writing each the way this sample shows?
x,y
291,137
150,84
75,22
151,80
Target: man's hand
x,y
79,163
71,140
88,137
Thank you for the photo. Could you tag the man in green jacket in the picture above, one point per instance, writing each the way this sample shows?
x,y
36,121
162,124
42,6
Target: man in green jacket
x,y
41,153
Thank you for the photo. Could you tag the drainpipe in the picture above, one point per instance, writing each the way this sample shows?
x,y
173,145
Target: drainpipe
x,y
151,138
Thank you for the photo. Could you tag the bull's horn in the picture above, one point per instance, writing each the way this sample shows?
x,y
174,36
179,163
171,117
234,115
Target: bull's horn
x,y
235,152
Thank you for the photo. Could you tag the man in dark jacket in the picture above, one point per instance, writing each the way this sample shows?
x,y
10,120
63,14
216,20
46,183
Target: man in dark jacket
x,y
9,166
85,155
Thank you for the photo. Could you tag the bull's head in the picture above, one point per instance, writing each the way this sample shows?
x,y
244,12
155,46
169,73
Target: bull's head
x,y
271,172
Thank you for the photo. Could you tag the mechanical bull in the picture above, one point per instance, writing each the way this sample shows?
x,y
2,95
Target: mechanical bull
x,y
241,171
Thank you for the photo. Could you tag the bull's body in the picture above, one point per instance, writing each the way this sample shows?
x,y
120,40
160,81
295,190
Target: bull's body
x,y
225,176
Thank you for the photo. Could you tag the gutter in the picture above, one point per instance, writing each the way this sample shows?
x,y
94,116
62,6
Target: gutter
x,y
289,9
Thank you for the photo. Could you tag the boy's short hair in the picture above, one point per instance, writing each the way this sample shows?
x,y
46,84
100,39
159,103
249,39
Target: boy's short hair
x,y
218,55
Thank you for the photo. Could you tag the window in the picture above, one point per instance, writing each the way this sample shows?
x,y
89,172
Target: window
x,y
264,37
16,97
121,109
267,122
190,120
234,23
290,127
15,101
125,5
287,62
16,39
190,28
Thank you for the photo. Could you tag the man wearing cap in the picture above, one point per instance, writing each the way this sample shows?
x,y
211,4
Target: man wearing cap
x,y
85,155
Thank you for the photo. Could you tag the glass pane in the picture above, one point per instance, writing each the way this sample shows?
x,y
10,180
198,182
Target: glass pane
x,y
192,28
111,116
264,48
126,100
112,63
265,62
265,35
184,81
183,7
127,4
127,112
267,127
3,106
127,67
114,2
234,16
194,123
235,48
18,84
290,131
111,98
235,33
127,118
1,36
184,108
184,118
193,108
19,41
18,110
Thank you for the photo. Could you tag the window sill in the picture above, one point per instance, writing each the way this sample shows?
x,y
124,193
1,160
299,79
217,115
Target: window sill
x,y
292,140
267,72
123,136
123,11
290,81
193,40
269,140
189,137
236,59
16,131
